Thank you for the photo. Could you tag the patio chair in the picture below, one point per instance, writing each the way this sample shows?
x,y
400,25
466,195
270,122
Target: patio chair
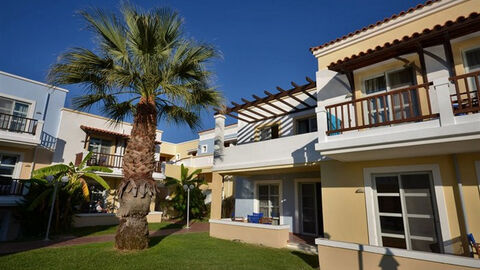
x,y
475,246
266,220
255,217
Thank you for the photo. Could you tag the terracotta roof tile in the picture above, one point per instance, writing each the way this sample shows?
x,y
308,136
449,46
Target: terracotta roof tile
x,y
437,27
394,16
107,132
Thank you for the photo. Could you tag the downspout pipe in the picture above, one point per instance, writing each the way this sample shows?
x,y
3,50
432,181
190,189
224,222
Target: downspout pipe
x,y
462,199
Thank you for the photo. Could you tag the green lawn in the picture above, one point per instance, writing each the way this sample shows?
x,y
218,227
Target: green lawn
x,y
182,251
111,229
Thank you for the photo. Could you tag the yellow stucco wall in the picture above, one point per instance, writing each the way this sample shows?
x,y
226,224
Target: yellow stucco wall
x,y
333,258
428,21
344,199
458,48
43,158
183,148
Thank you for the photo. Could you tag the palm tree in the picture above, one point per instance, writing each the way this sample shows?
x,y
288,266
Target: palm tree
x,y
144,67
77,178
178,196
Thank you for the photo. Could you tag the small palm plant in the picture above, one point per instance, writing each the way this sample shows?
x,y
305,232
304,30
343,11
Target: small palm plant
x,y
76,189
179,195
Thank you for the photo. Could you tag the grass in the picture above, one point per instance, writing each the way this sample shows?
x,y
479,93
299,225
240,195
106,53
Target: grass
x,y
111,229
182,251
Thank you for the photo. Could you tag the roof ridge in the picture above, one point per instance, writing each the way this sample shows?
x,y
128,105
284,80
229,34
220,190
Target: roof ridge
x,y
378,23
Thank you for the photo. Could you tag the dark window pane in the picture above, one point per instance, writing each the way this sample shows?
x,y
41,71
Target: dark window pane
x,y
8,160
401,78
389,204
274,131
263,190
391,225
375,84
473,58
416,183
387,184
419,205
6,170
423,245
394,242
422,227
302,126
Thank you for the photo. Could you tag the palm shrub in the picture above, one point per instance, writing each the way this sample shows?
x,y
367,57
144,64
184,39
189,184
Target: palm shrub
x,y
35,207
143,67
178,197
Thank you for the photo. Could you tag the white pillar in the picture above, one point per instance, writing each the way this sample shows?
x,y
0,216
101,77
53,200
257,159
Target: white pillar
x,y
38,130
442,93
322,124
219,136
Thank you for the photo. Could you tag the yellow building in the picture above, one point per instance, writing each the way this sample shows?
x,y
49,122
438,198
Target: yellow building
x,y
398,144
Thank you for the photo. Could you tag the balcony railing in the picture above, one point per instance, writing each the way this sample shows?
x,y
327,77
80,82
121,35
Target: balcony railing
x,y
110,161
410,104
11,187
17,123
467,93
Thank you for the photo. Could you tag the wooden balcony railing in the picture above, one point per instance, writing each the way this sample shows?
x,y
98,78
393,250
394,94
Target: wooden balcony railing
x,y
110,161
467,93
408,104
11,187
17,123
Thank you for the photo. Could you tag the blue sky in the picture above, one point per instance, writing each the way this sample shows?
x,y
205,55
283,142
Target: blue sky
x,y
264,43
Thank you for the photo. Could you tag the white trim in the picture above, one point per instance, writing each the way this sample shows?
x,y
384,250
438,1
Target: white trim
x,y
386,27
18,166
251,225
464,59
411,254
32,81
439,198
296,215
31,103
280,196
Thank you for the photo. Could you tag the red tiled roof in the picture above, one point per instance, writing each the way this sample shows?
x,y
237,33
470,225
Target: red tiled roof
x,y
394,16
107,132
436,28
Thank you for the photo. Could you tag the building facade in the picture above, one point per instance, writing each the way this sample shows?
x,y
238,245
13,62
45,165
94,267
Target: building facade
x,y
395,151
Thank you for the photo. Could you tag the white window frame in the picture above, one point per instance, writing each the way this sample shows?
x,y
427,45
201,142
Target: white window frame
x,y
434,169
308,117
17,170
464,59
31,103
204,148
256,202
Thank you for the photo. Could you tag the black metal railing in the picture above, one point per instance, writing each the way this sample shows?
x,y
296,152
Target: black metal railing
x,y
12,187
110,161
16,123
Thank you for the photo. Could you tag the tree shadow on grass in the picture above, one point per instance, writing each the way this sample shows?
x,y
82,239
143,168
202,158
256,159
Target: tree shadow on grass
x,y
161,233
310,259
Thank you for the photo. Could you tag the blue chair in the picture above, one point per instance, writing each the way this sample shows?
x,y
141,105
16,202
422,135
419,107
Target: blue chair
x,y
475,246
255,217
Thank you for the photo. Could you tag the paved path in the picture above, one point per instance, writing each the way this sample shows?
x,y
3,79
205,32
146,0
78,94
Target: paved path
x,y
14,247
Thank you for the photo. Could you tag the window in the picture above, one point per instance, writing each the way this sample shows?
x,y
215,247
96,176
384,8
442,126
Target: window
x,y
19,111
268,132
472,63
380,108
102,146
7,165
204,148
269,200
405,211
376,84
307,125
229,143
177,156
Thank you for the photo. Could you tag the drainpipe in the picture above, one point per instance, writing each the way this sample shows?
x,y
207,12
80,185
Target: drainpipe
x,y
462,199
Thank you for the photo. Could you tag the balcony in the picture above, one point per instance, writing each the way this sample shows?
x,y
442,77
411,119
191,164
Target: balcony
x,y
424,119
20,130
114,162
11,191
288,150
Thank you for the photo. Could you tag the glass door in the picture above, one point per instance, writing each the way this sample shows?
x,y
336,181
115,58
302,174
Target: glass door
x,y
308,207
406,212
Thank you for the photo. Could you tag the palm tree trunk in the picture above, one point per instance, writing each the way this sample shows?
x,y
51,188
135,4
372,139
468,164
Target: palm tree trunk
x,y
137,187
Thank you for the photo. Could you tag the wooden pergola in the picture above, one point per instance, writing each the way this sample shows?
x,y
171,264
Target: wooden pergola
x,y
263,104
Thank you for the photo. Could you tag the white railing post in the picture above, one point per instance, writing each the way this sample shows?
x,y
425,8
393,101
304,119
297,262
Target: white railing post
x,y
442,93
38,130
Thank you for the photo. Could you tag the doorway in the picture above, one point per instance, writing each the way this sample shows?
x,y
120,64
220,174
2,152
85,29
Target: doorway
x,y
310,208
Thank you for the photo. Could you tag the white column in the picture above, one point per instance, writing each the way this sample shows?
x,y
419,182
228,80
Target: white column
x,y
321,122
442,93
38,130
219,136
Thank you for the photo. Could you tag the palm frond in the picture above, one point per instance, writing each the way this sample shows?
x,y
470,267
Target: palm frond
x,y
51,170
97,169
97,179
